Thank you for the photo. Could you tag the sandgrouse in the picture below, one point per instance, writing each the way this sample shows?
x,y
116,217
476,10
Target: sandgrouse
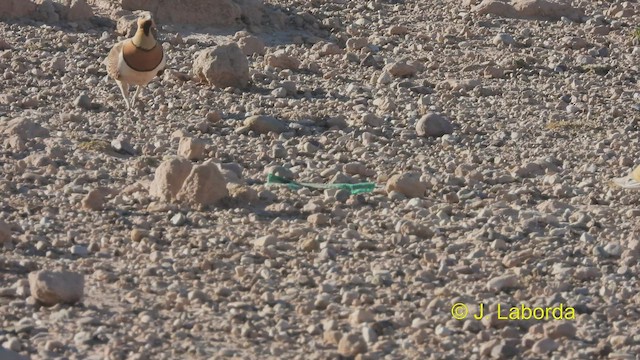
x,y
136,61
631,181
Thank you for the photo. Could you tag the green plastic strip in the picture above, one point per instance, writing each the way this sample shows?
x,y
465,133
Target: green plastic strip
x,y
353,188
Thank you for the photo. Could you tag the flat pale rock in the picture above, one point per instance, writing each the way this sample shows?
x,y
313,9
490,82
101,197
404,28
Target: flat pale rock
x,y
55,287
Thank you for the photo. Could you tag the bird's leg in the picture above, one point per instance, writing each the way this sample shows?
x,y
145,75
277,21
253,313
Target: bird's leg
x,y
124,88
136,95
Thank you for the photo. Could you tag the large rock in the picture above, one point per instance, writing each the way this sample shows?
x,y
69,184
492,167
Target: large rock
x,y
200,12
433,124
25,129
16,8
66,10
127,25
169,177
408,184
222,66
55,287
529,9
204,186
75,10
496,7
543,9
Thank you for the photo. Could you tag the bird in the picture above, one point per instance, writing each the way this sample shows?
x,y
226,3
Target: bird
x,y
631,181
136,60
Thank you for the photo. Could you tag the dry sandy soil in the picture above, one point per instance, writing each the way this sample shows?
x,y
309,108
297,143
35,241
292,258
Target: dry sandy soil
x,y
493,140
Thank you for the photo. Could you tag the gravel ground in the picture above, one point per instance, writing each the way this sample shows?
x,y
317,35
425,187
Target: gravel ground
x,y
493,141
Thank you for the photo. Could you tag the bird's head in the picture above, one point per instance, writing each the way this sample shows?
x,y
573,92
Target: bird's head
x,y
146,23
